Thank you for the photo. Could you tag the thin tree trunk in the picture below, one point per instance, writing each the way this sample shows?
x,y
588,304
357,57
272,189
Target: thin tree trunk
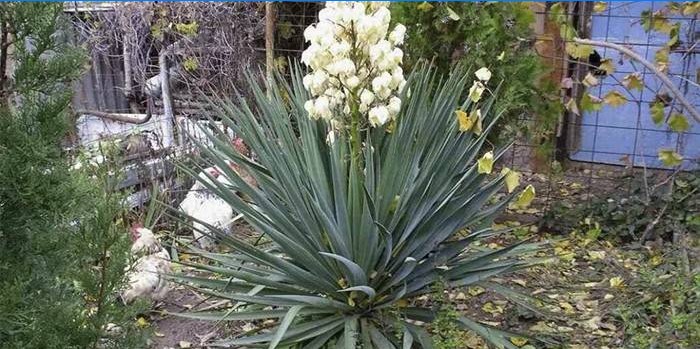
x,y
269,40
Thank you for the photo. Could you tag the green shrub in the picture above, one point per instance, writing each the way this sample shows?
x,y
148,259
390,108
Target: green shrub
x,y
487,34
655,210
351,245
62,255
663,307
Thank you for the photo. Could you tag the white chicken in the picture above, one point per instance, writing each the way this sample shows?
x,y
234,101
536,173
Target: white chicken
x,y
203,205
146,276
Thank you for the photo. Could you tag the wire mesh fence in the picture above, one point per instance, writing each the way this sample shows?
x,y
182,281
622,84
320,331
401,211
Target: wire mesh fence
x,y
597,154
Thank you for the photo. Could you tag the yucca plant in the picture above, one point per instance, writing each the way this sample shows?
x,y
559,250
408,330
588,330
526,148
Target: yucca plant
x,y
362,217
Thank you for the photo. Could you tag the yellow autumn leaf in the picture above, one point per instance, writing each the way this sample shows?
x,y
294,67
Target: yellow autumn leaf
x,y
142,322
465,124
492,308
690,8
678,123
475,117
590,102
425,6
501,56
590,80
512,179
452,14
661,59
614,99
670,158
518,341
616,282
607,65
578,51
633,81
572,107
485,164
475,291
525,198
657,112
600,6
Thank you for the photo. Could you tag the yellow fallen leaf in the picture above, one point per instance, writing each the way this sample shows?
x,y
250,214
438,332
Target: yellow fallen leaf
x,y
142,322
425,6
485,164
656,260
185,344
595,255
616,282
492,308
567,307
518,341
475,291
158,334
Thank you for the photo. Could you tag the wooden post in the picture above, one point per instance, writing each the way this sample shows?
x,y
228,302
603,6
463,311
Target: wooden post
x,y
269,40
164,77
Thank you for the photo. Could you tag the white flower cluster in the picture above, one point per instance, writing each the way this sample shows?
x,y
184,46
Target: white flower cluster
x,y
355,63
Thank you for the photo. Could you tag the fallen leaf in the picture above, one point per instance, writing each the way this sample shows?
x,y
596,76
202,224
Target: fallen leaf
x,y
142,322
596,255
616,282
492,309
475,291
425,6
518,341
185,344
452,14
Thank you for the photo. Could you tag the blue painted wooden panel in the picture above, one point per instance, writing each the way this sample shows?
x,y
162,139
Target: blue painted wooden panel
x,y
626,133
